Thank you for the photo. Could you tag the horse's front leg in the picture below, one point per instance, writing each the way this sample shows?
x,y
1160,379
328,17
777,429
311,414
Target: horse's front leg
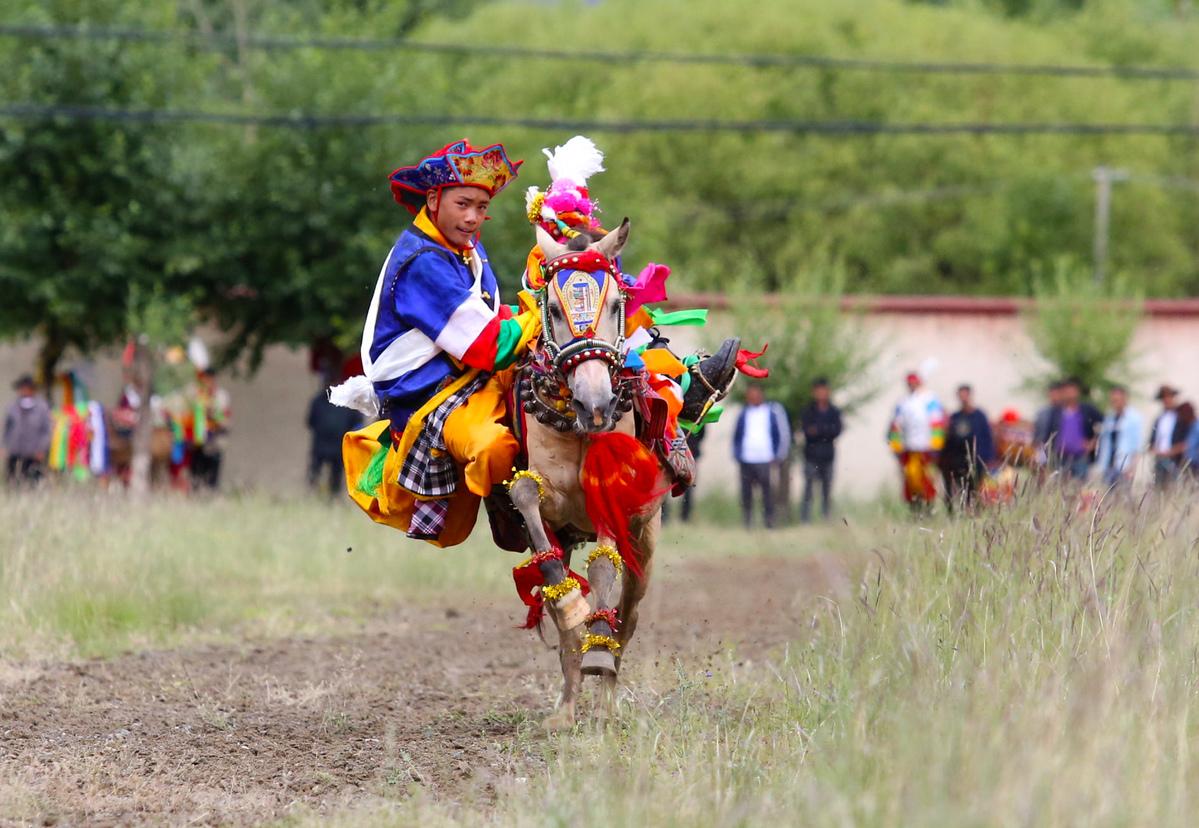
x,y
563,597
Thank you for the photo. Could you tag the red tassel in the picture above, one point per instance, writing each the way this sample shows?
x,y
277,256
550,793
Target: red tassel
x,y
745,357
527,577
620,480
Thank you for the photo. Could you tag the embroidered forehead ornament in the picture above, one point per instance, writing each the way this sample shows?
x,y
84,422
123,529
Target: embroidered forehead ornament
x,y
581,282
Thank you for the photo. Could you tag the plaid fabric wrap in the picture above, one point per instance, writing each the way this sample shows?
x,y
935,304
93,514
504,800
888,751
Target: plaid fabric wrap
x,y
428,470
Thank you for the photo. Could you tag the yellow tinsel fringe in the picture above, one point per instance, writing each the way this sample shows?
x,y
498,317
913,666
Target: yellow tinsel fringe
x,y
532,475
552,592
535,208
594,640
608,551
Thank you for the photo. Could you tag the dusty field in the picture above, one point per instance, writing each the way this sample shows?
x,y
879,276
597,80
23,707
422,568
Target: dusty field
x,y
432,701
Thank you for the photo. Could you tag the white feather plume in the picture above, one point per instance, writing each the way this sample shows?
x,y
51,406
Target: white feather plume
x,y
357,393
576,160
197,353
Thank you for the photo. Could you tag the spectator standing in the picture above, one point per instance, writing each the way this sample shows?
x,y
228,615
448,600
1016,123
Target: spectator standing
x,y
27,429
1119,439
1043,422
328,424
916,436
821,424
1167,440
760,442
1073,432
207,424
1191,452
969,449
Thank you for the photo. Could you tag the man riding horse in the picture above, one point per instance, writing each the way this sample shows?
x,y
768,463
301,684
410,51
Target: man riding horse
x,y
438,351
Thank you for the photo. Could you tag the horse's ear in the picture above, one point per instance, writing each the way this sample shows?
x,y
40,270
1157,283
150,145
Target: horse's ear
x,y
611,244
551,248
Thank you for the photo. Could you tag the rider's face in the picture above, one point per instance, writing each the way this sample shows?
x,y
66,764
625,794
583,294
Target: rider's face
x,y
459,212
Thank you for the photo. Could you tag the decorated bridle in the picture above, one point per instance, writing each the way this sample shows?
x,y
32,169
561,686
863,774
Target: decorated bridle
x,y
580,281
581,296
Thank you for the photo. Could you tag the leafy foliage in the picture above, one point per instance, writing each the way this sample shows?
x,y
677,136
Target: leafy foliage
x,y
1082,328
277,233
810,337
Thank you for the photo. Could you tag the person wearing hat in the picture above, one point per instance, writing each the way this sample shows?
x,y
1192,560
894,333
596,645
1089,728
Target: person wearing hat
x,y
436,347
27,429
1168,438
916,436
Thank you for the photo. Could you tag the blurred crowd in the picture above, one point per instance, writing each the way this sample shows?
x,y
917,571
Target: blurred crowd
x,y
80,438
963,457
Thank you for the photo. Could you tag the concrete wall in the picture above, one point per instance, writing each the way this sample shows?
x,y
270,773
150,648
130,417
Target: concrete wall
x,y
268,445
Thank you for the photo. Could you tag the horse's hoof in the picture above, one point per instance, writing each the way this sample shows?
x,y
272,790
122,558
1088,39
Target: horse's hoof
x,y
558,721
570,611
599,662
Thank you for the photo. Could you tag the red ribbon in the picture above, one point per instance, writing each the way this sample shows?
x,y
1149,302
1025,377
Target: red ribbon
x,y
745,357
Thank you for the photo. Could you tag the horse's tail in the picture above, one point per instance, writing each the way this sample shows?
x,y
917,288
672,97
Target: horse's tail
x,y
620,480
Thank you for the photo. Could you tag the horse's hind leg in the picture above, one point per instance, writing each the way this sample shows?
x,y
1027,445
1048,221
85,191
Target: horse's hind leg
x,y
633,589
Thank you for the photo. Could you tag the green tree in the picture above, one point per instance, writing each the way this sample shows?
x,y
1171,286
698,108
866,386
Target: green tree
x,y
1082,328
89,210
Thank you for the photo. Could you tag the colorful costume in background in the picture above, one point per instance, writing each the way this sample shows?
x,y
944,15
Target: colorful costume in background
x,y
916,435
205,420
79,442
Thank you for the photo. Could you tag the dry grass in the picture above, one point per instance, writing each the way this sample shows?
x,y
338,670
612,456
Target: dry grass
x,y
1033,666
1036,666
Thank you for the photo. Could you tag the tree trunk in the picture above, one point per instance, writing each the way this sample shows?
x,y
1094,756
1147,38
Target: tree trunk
x,y
48,357
142,380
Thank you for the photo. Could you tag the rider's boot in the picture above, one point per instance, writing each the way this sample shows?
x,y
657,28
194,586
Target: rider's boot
x,y
711,379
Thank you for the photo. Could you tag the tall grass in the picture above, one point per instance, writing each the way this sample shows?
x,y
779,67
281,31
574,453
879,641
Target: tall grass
x,y
1034,666
83,573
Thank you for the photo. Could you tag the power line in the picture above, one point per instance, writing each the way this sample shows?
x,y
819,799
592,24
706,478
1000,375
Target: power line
x,y
32,111
760,61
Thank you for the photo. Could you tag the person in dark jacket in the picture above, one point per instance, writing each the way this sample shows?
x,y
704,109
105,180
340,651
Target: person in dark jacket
x,y
1074,432
821,424
761,441
328,424
969,449
1168,439
27,429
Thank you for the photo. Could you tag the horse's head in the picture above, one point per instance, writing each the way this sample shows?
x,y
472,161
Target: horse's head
x,y
583,316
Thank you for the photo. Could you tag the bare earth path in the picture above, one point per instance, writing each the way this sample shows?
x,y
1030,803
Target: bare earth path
x,y
425,697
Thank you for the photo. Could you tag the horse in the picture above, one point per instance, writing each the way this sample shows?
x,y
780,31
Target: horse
x,y
587,473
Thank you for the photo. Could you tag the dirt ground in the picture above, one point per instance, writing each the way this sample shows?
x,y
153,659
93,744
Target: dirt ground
x,y
430,698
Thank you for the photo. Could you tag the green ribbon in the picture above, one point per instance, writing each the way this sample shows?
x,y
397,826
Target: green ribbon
x,y
694,316
712,416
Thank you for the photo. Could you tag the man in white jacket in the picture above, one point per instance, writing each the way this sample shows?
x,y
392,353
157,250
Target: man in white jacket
x,y
1119,439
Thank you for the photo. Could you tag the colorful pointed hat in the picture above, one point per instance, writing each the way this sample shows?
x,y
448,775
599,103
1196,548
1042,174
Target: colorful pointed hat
x,y
454,165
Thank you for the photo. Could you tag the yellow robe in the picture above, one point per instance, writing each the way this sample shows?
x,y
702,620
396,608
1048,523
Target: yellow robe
x,y
477,435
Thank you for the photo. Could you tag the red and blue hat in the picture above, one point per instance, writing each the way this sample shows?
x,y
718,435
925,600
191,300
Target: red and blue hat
x,y
454,165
